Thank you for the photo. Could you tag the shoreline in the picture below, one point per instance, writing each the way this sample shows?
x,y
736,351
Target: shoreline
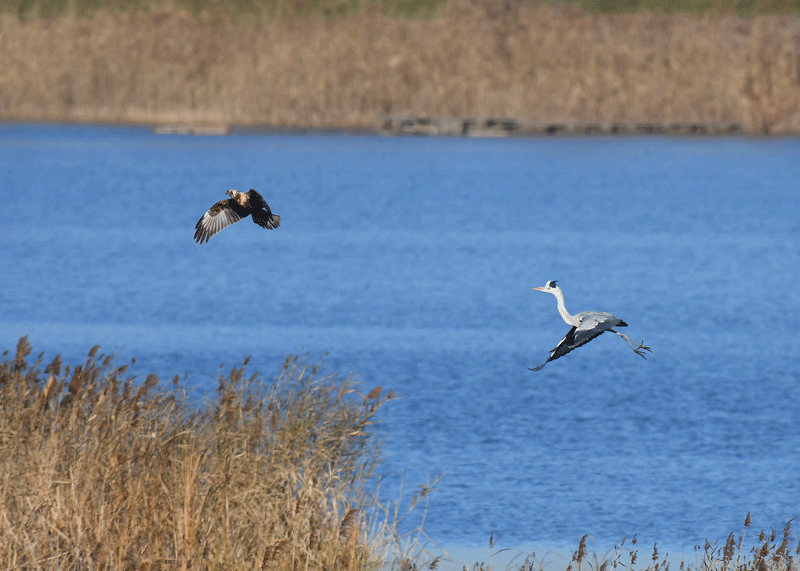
x,y
425,127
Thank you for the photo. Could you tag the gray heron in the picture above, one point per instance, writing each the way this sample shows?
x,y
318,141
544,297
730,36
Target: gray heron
x,y
585,326
225,212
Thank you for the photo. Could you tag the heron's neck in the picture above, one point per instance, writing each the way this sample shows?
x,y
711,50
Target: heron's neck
x,y
562,309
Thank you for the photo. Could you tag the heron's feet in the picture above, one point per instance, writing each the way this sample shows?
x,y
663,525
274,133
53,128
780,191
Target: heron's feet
x,y
640,347
637,347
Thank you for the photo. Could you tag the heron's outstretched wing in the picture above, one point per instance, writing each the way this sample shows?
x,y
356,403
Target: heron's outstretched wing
x,y
222,214
566,345
593,324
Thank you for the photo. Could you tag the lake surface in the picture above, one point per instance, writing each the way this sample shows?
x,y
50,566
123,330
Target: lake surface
x,y
411,261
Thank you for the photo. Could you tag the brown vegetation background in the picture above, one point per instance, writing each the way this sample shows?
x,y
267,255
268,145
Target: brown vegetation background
x,y
515,59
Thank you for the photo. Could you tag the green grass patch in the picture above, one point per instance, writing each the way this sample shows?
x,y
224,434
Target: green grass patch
x,y
234,9
698,7
407,8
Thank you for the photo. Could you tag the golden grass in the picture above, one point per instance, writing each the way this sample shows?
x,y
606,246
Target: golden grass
x,y
528,61
98,471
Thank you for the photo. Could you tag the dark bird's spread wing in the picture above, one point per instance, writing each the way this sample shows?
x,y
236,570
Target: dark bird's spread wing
x,y
256,200
593,324
222,214
262,215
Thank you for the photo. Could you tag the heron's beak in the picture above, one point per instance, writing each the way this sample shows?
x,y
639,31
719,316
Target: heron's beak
x,y
538,288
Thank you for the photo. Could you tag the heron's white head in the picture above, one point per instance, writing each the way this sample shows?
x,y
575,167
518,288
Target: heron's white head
x,y
549,287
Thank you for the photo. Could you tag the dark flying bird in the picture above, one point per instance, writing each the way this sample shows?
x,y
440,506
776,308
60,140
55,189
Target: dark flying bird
x,y
585,326
238,206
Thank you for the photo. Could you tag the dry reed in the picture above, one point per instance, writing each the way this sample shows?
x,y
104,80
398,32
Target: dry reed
x,y
773,552
99,471
529,61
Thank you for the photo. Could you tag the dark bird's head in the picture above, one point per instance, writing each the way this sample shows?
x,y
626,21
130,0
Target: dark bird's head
x,y
239,197
549,287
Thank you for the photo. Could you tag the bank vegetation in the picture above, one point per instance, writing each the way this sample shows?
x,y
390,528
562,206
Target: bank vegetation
x,y
331,64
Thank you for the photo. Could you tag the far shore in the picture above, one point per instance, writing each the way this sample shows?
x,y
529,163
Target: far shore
x,y
478,68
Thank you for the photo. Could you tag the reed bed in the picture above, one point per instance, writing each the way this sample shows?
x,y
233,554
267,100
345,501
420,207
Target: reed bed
x,y
533,62
101,471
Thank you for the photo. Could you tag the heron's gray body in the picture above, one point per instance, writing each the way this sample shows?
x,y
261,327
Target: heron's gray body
x,y
585,326
594,323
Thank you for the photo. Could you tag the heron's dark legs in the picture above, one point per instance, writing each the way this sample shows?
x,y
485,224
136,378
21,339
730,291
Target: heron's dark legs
x,y
637,347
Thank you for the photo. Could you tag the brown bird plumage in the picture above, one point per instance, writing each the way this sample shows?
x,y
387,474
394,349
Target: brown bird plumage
x,y
226,212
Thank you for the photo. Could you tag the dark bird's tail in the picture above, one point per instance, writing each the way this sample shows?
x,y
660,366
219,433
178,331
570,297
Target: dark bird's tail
x,y
267,220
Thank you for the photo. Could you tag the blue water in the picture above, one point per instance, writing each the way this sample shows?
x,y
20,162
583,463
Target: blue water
x,y
411,261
